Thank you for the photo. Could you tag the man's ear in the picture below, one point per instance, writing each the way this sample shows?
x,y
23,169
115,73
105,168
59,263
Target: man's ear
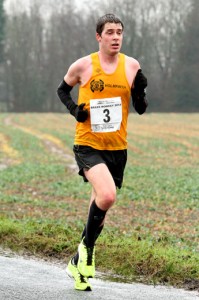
x,y
98,37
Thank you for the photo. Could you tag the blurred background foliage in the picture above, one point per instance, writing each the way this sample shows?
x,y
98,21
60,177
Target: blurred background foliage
x,y
39,40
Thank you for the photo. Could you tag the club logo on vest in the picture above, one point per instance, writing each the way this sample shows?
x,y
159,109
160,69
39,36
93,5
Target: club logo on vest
x,y
97,85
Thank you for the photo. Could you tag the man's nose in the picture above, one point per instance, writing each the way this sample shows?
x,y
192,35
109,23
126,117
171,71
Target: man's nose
x,y
115,36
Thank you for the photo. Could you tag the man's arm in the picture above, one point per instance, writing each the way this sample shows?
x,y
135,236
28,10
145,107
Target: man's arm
x,y
63,91
138,93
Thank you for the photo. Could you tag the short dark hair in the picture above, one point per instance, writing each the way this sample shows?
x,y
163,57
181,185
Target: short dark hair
x,y
108,18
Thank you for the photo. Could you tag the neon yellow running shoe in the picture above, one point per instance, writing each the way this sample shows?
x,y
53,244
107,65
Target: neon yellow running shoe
x,y
81,282
86,261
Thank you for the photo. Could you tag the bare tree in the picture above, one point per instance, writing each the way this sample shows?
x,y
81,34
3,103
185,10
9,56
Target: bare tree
x,y
45,38
185,73
24,52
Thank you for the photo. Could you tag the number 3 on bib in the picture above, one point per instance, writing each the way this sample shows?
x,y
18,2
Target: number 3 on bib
x,y
106,114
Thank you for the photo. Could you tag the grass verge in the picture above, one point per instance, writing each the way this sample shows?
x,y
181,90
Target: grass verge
x,y
151,233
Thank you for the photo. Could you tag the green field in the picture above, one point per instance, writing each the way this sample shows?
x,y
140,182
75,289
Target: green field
x,y
151,233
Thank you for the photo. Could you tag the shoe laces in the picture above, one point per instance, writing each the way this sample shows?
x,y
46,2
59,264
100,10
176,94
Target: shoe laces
x,y
82,278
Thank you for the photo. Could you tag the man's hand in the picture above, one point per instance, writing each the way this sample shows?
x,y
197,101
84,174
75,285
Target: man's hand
x,y
140,82
138,93
80,114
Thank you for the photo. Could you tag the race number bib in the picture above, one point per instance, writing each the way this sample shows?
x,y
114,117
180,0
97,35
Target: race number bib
x,y
106,114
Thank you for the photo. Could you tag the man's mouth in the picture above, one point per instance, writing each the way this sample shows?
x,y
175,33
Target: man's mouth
x,y
115,45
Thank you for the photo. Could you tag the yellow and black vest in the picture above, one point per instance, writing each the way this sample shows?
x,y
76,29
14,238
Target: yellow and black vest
x,y
100,86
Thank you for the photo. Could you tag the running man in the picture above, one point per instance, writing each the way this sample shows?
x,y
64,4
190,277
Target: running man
x,y
107,80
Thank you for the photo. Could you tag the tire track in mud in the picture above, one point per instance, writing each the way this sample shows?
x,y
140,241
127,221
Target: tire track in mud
x,y
52,143
12,156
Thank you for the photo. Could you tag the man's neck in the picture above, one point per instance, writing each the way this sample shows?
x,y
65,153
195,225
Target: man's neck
x,y
108,62
107,58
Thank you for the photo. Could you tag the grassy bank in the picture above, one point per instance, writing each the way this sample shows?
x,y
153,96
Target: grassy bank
x,y
152,232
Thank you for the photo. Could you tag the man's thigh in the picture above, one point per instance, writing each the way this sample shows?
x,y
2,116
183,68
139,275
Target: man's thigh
x,y
100,178
103,184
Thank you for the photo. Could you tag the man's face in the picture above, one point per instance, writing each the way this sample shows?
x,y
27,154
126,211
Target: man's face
x,y
110,40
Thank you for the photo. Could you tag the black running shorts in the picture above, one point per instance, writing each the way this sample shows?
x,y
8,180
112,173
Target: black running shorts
x,y
87,157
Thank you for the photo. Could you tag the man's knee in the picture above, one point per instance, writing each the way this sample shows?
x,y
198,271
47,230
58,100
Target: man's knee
x,y
106,198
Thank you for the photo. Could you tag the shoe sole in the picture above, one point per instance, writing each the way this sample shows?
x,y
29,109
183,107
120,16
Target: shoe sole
x,y
69,274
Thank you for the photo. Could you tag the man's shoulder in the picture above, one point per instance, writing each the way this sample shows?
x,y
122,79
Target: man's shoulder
x,y
132,61
84,59
83,62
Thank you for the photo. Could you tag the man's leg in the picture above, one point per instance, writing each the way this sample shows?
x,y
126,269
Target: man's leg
x,y
98,232
93,196
105,195
103,185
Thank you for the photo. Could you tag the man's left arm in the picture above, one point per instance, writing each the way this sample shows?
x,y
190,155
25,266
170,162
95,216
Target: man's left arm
x,y
138,93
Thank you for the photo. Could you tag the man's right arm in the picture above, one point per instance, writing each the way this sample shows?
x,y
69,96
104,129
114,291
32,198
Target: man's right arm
x,y
64,94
